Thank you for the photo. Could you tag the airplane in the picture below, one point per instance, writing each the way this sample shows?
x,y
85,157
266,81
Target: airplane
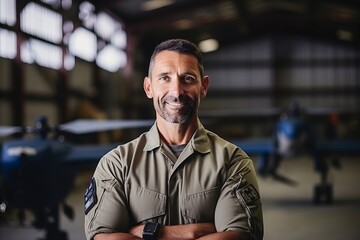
x,y
38,173
294,135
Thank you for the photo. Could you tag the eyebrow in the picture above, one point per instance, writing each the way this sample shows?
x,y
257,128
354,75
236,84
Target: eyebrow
x,y
162,73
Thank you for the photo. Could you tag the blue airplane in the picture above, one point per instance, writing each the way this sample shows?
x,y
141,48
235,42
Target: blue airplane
x,y
294,135
38,173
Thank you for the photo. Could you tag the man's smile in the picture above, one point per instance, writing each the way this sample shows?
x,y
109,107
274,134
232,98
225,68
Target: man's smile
x,y
175,104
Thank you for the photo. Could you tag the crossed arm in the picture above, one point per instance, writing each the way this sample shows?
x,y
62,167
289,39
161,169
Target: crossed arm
x,y
200,231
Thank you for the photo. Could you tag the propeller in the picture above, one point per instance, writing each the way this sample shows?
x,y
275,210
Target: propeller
x,y
80,126
9,130
258,112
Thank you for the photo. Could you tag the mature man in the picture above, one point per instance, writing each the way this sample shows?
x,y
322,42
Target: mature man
x,y
178,180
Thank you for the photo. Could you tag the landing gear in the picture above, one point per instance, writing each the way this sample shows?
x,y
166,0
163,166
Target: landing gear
x,y
49,220
323,192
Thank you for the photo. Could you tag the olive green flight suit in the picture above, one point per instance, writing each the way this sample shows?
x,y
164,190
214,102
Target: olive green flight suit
x,y
211,181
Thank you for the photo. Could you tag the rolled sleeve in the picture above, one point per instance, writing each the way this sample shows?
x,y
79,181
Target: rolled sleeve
x,y
109,213
239,205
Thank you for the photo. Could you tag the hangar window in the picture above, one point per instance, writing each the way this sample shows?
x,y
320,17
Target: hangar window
x,y
87,14
52,41
7,37
105,26
119,38
65,4
8,12
44,54
111,58
41,22
8,44
111,55
83,44
110,36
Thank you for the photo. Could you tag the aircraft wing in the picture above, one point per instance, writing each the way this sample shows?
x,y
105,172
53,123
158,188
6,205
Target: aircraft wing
x,y
266,146
341,147
8,130
255,146
82,126
87,155
263,149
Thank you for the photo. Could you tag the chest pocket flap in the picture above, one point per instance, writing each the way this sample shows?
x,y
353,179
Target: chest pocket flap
x,y
146,204
200,207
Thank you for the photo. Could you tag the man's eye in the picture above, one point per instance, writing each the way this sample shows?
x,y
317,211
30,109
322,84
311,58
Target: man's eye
x,y
163,78
189,79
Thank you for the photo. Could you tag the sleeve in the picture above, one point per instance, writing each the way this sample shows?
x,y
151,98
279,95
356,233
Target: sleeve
x,y
239,206
105,199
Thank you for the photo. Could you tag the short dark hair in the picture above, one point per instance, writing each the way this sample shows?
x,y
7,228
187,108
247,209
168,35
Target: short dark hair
x,y
181,46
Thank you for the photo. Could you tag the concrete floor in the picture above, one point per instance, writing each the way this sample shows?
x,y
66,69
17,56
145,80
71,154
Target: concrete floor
x,y
288,210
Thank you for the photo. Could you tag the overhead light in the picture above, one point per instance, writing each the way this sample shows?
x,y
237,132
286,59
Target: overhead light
x,y
155,4
183,24
345,35
208,45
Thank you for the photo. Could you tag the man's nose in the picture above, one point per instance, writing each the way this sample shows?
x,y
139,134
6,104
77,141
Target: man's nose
x,y
176,86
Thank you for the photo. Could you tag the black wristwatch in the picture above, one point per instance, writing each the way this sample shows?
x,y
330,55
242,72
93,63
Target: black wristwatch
x,y
151,231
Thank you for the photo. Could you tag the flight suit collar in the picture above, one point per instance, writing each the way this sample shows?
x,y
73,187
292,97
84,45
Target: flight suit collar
x,y
199,140
152,139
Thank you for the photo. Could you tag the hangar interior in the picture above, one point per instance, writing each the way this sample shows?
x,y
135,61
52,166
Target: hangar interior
x,y
269,52
68,60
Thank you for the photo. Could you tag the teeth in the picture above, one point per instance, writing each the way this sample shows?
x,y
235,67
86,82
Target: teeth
x,y
175,104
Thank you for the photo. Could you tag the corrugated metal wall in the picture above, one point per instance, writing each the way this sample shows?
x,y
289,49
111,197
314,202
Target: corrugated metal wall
x,y
269,72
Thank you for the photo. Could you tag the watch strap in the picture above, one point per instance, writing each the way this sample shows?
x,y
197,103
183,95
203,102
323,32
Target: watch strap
x,y
151,231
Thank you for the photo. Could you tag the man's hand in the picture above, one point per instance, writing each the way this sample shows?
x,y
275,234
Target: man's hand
x,y
177,232
201,231
137,230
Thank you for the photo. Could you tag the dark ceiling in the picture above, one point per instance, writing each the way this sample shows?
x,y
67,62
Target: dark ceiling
x,y
232,21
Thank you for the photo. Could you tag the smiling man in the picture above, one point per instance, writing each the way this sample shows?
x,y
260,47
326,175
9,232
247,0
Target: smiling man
x,y
178,180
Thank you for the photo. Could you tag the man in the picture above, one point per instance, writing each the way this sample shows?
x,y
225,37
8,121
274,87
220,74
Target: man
x,y
177,181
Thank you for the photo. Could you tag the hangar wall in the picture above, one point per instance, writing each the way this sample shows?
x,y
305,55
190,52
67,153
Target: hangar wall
x,y
256,74
104,90
268,72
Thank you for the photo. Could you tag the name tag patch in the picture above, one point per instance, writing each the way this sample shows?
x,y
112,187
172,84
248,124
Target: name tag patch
x,y
90,196
249,194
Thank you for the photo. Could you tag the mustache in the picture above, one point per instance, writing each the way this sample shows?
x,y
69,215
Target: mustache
x,y
183,99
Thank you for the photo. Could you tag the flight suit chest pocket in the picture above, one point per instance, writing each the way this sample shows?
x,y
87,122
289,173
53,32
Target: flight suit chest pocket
x,y
200,207
146,204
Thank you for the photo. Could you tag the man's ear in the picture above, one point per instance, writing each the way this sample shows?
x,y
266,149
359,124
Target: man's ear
x,y
205,86
147,87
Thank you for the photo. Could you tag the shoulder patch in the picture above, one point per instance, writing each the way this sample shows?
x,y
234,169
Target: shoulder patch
x,y
249,194
90,196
